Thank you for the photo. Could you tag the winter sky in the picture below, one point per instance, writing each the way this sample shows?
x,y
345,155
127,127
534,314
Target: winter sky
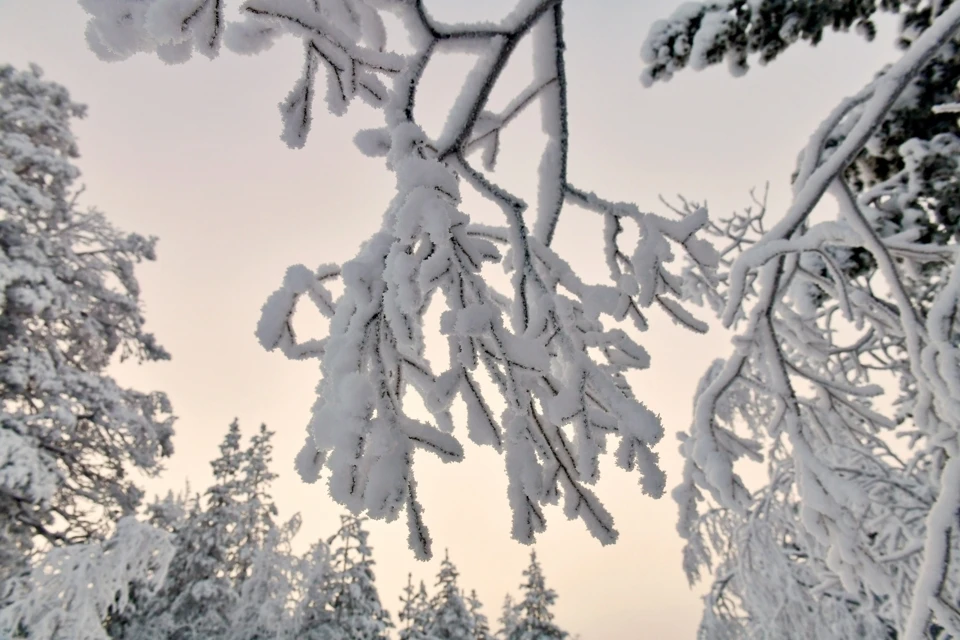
x,y
192,154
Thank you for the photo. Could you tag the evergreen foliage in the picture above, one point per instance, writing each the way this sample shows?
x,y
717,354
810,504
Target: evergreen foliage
x,y
450,619
534,619
509,620
69,306
481,627
354,611
415,612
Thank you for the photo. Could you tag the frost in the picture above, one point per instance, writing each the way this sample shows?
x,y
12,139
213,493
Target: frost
x,y
75,587
803,388
70,305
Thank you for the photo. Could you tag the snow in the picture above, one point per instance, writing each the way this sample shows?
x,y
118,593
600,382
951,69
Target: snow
x,y
792,395
73,587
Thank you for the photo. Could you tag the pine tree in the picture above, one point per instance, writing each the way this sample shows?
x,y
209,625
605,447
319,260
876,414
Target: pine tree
x,y
354,603
481,627
313,617
264,607
849,535
69,304
449,617
198,597
255,501
535,620
414,614
509,620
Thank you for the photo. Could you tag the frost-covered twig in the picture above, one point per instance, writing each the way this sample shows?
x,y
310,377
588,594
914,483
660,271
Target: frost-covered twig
x,y
73,589
550,347
835,311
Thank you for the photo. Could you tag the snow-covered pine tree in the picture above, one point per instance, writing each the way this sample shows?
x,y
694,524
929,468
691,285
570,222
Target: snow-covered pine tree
x,y
255,501
69,434
355,612
481,627
449,617
551,342
198,597
407,611
170,512
312,613
509,619
701,34
220,541
414,616
167,514
845,367
267,594
534,618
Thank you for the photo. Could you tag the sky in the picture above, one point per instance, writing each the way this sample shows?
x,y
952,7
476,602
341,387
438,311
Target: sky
x,y
192,154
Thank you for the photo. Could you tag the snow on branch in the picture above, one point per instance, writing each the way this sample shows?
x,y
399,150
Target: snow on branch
x,y
76,587
551,346
828,314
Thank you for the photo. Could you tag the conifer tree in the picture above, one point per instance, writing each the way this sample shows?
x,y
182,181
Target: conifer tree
x,y
256,503
414,614
854,533
313,615
354,603
509,620
449,617
481,627
69,304
198,597
264,606
535,620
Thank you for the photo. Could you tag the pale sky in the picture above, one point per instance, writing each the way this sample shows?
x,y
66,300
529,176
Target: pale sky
x,y
192,154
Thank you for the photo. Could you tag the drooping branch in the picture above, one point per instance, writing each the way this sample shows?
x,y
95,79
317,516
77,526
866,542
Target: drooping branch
x,y
549,346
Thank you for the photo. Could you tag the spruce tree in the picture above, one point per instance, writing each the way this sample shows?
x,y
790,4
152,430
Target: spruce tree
x,y
449,617
481,627
509,620
266,594
314,615
414,614
354,603
535,618
257,509
198,597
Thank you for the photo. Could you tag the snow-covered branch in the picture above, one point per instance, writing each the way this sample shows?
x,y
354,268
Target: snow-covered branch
x,y
829,315
550,347
75,588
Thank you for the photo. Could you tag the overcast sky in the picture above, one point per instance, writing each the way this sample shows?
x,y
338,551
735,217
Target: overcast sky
x,y
192,154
